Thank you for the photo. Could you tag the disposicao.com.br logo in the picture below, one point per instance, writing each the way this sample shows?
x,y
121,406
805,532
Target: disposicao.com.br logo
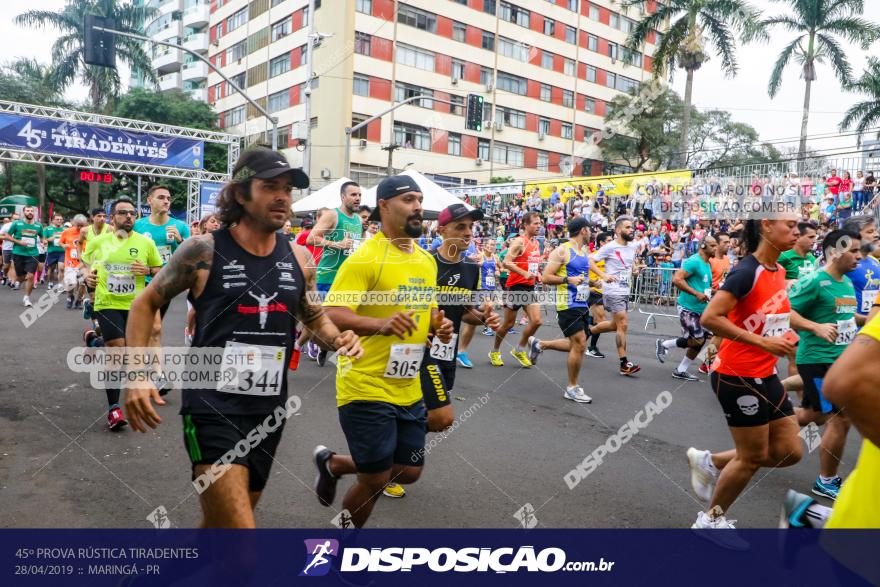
x,y
445,559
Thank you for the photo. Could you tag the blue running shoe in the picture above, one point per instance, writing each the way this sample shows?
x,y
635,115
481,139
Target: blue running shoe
x,y
793,510
512,331
829,490
464,360
488,332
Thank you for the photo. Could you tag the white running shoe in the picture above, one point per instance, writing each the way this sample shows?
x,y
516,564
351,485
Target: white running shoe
x,y
577,395
702,478
27,302
719,530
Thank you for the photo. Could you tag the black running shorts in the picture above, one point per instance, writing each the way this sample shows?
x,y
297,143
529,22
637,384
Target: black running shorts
x,y
520,295
813,375
750,401
24,264
112,323
573,320
380,434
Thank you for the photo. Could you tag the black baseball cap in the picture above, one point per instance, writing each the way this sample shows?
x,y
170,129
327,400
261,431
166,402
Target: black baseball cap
x,y
264,163
577,224
458,211
393,186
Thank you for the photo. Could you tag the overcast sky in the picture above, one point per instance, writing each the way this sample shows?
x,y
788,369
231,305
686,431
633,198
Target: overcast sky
x,y
745,96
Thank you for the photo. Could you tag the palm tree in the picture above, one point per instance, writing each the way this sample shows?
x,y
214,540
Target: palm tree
x,y
819,24
693,24
865,114
68,51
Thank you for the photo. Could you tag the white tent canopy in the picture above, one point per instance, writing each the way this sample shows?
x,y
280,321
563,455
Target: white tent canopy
x,y
326,197
435,197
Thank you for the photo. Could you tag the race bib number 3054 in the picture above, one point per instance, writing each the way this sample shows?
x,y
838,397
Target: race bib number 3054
x,y
404,361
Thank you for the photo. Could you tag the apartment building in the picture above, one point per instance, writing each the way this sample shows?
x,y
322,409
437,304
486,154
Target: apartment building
x,y
545,68
184,22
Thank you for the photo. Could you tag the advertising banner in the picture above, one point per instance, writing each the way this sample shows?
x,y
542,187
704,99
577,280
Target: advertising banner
x,y
613,185
208,193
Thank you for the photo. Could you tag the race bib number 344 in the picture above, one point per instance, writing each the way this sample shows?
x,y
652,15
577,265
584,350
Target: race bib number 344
x,y
252,369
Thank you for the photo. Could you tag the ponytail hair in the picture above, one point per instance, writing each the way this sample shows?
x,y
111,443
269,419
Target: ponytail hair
x,y
751,236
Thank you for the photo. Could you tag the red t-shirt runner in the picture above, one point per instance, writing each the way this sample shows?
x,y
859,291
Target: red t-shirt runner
x,y
315,251
529,260
762,308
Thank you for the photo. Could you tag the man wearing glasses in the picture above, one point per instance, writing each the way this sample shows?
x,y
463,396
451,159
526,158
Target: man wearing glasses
x,y
118,263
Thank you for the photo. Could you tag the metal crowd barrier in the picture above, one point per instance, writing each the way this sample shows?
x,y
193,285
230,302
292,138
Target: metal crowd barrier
x,y
654,294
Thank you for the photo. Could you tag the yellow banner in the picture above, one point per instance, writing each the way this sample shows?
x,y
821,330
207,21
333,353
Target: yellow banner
x,y
612,185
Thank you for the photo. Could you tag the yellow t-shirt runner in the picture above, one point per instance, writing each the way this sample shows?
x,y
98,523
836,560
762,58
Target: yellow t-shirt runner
x,y
380,272
856,506
117,285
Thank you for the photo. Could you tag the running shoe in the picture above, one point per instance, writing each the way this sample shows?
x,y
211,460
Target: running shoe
x,y
512,330
684,375
704,368
69,304
793,509
829,490
521,357
660,350
523,321
495,359
116,420
78,305
89,336
719,530
87,309
488,332
50,286
26,300
16,285
702,478
594,352
464,360
325,482
394,490
576,394
312,351
630,369
322,357
534,349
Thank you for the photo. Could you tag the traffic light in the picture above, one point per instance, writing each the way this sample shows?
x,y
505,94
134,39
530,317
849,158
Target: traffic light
x,y
474,118
99,47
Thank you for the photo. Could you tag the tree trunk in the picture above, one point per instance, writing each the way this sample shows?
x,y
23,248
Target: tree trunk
x,y
686,119
805,119
41,188
7,178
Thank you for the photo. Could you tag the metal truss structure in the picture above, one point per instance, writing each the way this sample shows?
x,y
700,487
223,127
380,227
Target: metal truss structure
x,y
194,177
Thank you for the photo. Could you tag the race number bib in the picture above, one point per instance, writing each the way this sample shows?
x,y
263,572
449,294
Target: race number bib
x,y
120,283
74,254
869,297
490,281
404,361
708,293
624,279
28,241
165,253
355,243
533,268
583,292
776,325
255,369
56,242
846,331
443,351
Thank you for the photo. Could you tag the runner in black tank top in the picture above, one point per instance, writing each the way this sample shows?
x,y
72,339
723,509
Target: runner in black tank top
x,y
248,287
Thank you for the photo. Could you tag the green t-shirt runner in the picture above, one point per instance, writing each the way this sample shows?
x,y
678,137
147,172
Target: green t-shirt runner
x,y
28,232
331,259
700,279
824,300
112,257
796,266
159,235
53,235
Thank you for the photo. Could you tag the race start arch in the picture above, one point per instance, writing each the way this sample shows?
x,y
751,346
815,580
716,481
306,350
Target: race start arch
x,y
69,138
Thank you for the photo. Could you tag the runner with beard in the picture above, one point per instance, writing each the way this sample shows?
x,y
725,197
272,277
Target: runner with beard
x,y
619,256
597,309
25,234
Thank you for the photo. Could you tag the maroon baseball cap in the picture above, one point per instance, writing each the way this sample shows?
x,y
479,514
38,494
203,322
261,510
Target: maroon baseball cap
x,y
458,211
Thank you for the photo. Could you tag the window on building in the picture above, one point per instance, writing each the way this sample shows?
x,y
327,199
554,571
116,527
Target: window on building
x,y
544,126
568,66
513,49
282,28
567,98
403,91
612,50
457,69
566,130
361,85
272,4
549,27
240,80
413,57
362,43
279,100
409,15
514,14
453,144
412,136
489,7
589,105
592,42
512,83
611,80
488,41
571,35
459,32
364,6
483,149
360,133
614,22
279,65
236,20
487,110
306,22
546,92
546,60
627,25
236,52
625,84
543,161
594,12
234,116
303,55
631,57
511,155
457,106
591,73
511,117
573,5
485,76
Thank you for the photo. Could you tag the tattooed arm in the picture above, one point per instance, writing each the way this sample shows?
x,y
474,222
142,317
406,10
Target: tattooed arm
x,y
323,331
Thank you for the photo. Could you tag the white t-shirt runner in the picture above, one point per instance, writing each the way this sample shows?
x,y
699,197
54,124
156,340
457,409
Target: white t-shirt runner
x,y
619,261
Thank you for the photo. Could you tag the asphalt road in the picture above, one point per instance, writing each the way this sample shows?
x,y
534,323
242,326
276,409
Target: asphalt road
x,y
61,467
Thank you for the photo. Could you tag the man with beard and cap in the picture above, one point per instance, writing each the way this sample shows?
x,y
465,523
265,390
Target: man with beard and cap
x,y
24,234
619,256
385,293
118,262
